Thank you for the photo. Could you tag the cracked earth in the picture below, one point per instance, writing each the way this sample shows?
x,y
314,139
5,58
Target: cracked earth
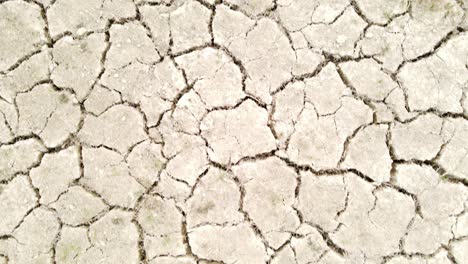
x,y
234,131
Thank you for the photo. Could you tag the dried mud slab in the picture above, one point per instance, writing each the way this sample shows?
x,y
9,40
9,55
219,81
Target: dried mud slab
x,y
233,131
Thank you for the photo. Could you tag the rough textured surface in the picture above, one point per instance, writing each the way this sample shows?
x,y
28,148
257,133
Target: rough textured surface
x,y
233,131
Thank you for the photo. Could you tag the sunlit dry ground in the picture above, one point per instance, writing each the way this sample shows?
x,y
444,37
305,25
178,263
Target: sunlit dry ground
x,y
234,132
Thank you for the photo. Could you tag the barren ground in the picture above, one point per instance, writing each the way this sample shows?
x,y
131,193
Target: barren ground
x,y
233,131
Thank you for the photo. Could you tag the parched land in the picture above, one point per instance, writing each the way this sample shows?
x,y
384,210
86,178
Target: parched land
x,y
233,131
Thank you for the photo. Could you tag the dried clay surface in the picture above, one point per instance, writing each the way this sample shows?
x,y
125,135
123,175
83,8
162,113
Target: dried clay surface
x,y
233,131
